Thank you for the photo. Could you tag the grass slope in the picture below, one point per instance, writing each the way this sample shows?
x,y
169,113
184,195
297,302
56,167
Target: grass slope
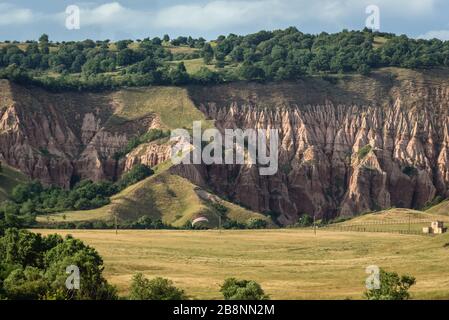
x,y
440,209
396,214
392,220
289,264
172,105
194,65
164,196
9,178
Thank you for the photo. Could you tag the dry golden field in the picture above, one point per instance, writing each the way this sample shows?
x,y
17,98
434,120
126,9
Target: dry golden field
x,y
289,264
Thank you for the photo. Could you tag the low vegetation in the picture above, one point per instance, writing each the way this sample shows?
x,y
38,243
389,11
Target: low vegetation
x,y
364,151
150,136
155,289
233,289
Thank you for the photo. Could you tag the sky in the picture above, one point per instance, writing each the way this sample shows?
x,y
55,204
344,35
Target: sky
x,y
137,19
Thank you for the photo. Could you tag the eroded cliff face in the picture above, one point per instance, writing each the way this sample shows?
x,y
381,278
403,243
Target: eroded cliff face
x,y
344,154
62,138
347,146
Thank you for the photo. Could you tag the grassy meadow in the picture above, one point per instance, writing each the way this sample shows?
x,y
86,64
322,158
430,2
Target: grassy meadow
x,y
289,263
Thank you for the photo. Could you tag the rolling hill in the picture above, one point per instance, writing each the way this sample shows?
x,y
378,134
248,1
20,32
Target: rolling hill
x,y
164,196
440,209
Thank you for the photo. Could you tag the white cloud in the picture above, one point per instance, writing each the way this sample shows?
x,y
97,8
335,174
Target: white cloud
x,y
213,15
114,15
12,15
406,7
439,34
219,13
223,16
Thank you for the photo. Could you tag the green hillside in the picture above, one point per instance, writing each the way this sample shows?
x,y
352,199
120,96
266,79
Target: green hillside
x,y
397,220
396,214
440,209
164,196
171,104
9,178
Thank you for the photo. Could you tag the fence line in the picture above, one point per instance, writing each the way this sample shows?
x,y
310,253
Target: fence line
x,y
389,226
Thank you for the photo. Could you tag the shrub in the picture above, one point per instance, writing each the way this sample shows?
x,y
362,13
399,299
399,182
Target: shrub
x,y
233,289
155,289
410,171
232,224
305,221
256,223
220,209
363,152
136,174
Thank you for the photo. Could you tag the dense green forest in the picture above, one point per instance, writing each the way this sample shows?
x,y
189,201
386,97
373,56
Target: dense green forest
x,y
264,56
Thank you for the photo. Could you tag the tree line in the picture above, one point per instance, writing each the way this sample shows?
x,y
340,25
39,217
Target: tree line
x,y
263,56
289,54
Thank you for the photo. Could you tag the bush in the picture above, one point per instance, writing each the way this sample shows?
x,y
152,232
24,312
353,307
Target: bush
x,y
304,221
155,289
34,267
25,284
410,171
256,223
392,287
146,223
136,174
233,289
363,152
232,224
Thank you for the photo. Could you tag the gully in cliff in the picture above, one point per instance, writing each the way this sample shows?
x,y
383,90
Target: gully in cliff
x,y
249,147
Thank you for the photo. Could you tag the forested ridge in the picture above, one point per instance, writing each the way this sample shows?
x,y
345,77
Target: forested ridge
x,y
263,56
